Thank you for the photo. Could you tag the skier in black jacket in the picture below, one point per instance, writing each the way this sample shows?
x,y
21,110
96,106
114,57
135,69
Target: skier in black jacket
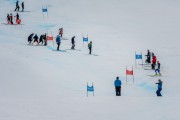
x,y
41,39
30,38
17,6
22,5
148,60
35,39
73,42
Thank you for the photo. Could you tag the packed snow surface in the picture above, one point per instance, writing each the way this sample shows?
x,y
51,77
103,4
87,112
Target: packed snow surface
x,y
40,83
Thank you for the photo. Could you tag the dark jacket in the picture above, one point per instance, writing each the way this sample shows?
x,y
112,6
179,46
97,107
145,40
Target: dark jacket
x,y
30,37
148,54
36,37
90,45
159,65
17,4
22,4
72,40
159,85
41,38
17,16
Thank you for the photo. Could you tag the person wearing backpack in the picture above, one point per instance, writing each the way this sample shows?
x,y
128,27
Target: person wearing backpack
x,y
58,41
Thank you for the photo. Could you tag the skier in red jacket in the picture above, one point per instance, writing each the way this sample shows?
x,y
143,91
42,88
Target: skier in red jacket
x,y
153,62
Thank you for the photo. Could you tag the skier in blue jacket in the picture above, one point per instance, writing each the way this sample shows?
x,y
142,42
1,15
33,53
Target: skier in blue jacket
x,y
157,70
158,92
58,41
117,84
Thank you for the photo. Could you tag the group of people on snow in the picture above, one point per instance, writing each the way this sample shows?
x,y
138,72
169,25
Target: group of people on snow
x,y
10,18
33,38
59,38
18,7
118,84
155,65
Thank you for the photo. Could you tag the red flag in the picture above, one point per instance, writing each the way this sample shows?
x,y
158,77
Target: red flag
x,y
49,37
129,72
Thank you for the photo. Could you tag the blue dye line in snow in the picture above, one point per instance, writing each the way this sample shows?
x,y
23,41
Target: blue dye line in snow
x,y
147,86
50,48
54,49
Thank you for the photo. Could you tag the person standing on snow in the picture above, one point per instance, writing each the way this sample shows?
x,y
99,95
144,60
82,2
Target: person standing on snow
x,y
18,21
30,38
58,41
157,71
11,18
22,5
35,39
8,19
90,47
41,39
117,84
158,92
17,6
45,39
17,16
148,60
153,65
73,42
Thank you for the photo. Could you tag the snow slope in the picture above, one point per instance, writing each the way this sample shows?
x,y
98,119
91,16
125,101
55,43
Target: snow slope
x,y
39,83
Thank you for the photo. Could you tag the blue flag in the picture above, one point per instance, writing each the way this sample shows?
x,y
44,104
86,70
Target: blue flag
x,y
90,89
44,10
138,56
85,39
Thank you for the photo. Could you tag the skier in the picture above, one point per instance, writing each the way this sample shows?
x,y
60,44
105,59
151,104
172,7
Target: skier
x,y
45,39
18,21
73,42
41,39
157,71
30,38
90,47
148,60
22,5
17,16
117,84
153,65
8,19
158,92
58,41
61,32
35,39
17,6
11,18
